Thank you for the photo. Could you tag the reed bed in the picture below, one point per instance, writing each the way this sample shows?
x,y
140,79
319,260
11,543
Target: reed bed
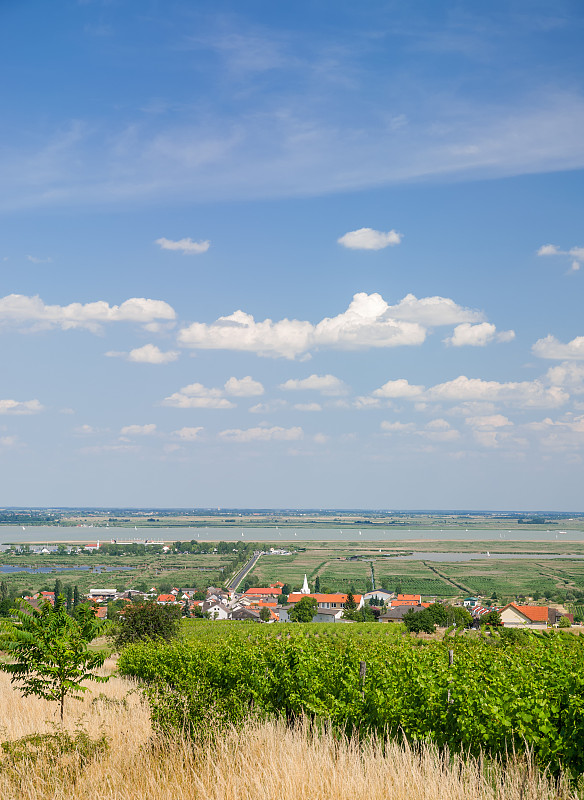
x,y
260,761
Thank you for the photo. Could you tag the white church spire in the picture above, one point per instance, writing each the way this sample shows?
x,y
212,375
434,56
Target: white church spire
x,y
305,589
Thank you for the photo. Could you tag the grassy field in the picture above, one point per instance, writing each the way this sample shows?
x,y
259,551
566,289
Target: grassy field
x,y
262,761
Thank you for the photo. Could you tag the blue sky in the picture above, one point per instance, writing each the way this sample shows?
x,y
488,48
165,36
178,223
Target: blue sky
x,y
320,255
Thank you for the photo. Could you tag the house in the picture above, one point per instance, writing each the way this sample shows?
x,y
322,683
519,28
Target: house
x,y
395,614
246,614
282,613
407,600
215,610
379,596
269,591
101,612
470,602
555,616
326,600
328,615
514,616
165,599
102,594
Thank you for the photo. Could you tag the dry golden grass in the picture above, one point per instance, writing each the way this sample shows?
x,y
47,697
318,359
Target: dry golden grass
x,y
264,761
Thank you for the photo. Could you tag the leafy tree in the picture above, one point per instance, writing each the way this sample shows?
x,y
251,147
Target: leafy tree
x,y
199,595
75,596
419,621
48,651
58,592
69,598
491,618
317,584
350,603
186,611
460,616
4,590
564,622
286,589
304,610
147,621
264,614
438,614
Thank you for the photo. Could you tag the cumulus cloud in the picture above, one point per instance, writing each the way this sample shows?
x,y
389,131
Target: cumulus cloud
x,y
325,384
195,395
477,335
398,388
369,239
20,407
432,311
574,254
138,430
147,354
267,408
262,434
308,407
524,393
188,434
568,374
21,309
244,387
184,246
550,347
320,438
366,323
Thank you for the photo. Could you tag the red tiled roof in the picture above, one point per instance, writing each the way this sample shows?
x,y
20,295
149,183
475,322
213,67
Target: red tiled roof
x,y
295,597
259,591
411,597
166,598
412,603
534,613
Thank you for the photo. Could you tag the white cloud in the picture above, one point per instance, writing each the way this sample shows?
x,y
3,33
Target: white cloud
x,y
568,374
575,254
36,260
397,427
20,407
477,335
524,393
320,438
268,408
366,323
9,441
188,434
438,425
550,347
432,311
17,309
138,430
195,395
488,422
325,384
308,407
86,430
244,387
369,239
398,388
185,246
262,434
147,354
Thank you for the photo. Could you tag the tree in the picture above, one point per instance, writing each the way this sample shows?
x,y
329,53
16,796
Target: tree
x,y
419,621
564,622
147,621
58,593
285,589
317,584
460,616
186,611
492,618
350,603
304,610
69,598
75,596
48,651
4,590
265,614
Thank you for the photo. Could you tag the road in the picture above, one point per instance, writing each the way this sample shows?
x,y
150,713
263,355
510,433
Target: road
x,y
244,571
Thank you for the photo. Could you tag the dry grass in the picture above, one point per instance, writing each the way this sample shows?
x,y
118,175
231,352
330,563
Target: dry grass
x,y
264,761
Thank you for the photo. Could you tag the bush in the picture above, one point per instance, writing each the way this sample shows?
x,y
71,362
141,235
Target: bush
x,y
144,621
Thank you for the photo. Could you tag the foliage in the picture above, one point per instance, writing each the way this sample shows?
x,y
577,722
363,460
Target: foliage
x,y
48,651
304,610
498,697
148,620
264,614
491,618
58,749
419,621
564,622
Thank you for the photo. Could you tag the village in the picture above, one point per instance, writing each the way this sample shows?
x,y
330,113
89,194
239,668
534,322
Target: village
x,y
276,603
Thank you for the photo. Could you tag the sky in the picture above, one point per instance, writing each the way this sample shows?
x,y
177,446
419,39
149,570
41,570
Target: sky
x,y
321,255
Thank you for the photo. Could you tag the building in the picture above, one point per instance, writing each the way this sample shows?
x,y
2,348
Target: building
x,y
326,600
379,596
411,600
514,616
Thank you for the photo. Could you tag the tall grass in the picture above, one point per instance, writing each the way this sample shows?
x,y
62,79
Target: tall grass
x,y
261,761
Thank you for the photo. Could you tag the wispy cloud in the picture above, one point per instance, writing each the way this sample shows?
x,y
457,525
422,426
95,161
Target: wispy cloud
x,y
262,434
575,255
185,246
20,407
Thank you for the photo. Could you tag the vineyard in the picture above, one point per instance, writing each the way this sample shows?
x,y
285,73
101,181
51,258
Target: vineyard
x,y
501,693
